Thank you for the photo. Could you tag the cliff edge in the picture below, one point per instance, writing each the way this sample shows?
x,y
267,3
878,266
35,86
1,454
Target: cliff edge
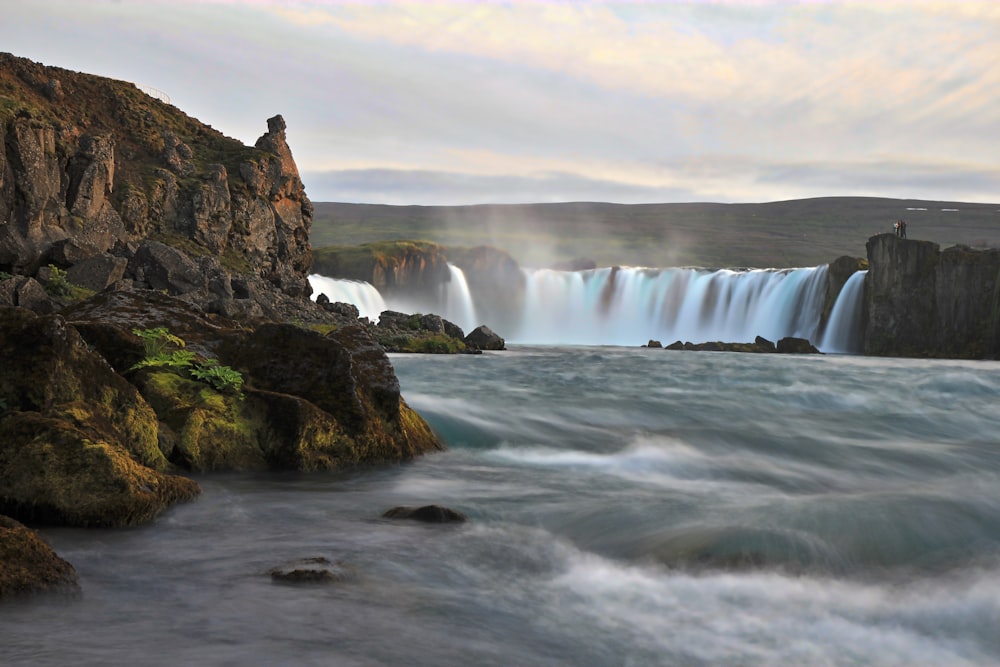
x,y
94,172
922,301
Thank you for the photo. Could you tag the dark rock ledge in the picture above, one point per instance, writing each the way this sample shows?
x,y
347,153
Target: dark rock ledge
x,y
787,345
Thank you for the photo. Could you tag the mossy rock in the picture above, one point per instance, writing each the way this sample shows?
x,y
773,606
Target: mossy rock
x,y
421,343
48,368
52,471
28,564
205,429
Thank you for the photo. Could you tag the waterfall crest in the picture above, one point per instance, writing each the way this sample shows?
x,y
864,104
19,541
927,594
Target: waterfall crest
x,y
624,306
629,305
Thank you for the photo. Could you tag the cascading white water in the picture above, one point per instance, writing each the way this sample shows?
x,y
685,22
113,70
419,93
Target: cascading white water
x,y
843,330
628,306
452,302
363,295
458,305
625,306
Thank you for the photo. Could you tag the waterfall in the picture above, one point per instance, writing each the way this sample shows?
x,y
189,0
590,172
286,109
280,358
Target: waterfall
x,y
453,300
368,300
843,331
626,306
457,301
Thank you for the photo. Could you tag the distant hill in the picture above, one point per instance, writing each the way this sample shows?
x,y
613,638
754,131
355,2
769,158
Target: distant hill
x,y
802,232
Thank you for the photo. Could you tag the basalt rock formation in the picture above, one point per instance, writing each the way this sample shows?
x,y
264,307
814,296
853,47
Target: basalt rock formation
x,y
921,301
112,184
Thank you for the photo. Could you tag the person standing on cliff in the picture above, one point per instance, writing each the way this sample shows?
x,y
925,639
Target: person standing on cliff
x,y
902,229
895,228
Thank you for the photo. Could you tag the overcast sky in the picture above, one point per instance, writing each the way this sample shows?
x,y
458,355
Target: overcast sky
x,y
477,102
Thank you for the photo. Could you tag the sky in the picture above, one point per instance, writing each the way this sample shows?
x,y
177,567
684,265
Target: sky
x,y
516,102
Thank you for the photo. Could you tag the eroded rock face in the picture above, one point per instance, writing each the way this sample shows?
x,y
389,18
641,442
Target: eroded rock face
x,y
28,564
922,301
93,163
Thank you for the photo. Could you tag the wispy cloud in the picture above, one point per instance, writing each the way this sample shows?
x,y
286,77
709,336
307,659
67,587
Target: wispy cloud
x,y
721,100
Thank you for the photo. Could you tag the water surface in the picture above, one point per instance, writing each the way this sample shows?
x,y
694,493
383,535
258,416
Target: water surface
x,y
627,507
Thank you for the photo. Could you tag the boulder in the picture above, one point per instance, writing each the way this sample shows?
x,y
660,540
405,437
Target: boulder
x,y
78,444
653,344
426,514
61,470
310,402
98,272
764,344
49,369
164,267
28,564
792,345
483,338
26,293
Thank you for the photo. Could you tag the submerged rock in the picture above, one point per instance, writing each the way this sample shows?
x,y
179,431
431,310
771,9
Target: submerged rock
x,y
426,514
28,564
317,570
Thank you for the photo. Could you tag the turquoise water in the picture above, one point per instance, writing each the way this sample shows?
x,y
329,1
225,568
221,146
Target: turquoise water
x,y
627,507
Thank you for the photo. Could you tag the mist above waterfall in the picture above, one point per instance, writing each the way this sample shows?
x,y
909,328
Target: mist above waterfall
x,y
629,306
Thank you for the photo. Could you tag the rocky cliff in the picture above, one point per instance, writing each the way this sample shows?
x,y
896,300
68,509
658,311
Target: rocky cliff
x,y
113,203
922,301
94,172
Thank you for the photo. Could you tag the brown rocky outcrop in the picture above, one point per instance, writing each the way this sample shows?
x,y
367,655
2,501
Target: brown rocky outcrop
x,y
97,165
922,301
28,564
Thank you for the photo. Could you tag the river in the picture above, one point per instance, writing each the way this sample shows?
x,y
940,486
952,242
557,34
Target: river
x,y
626,506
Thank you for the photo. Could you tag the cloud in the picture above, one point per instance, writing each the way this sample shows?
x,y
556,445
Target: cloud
x,y
623,101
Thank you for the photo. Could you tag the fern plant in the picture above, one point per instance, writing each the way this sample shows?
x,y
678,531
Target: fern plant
x,y
222,378
157,343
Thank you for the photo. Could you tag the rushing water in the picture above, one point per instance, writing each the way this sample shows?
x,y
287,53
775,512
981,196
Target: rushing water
x,y
626,506
629,306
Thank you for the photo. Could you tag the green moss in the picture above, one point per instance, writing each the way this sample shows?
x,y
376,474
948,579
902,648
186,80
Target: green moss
x,y
422,344
55,472
209,430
